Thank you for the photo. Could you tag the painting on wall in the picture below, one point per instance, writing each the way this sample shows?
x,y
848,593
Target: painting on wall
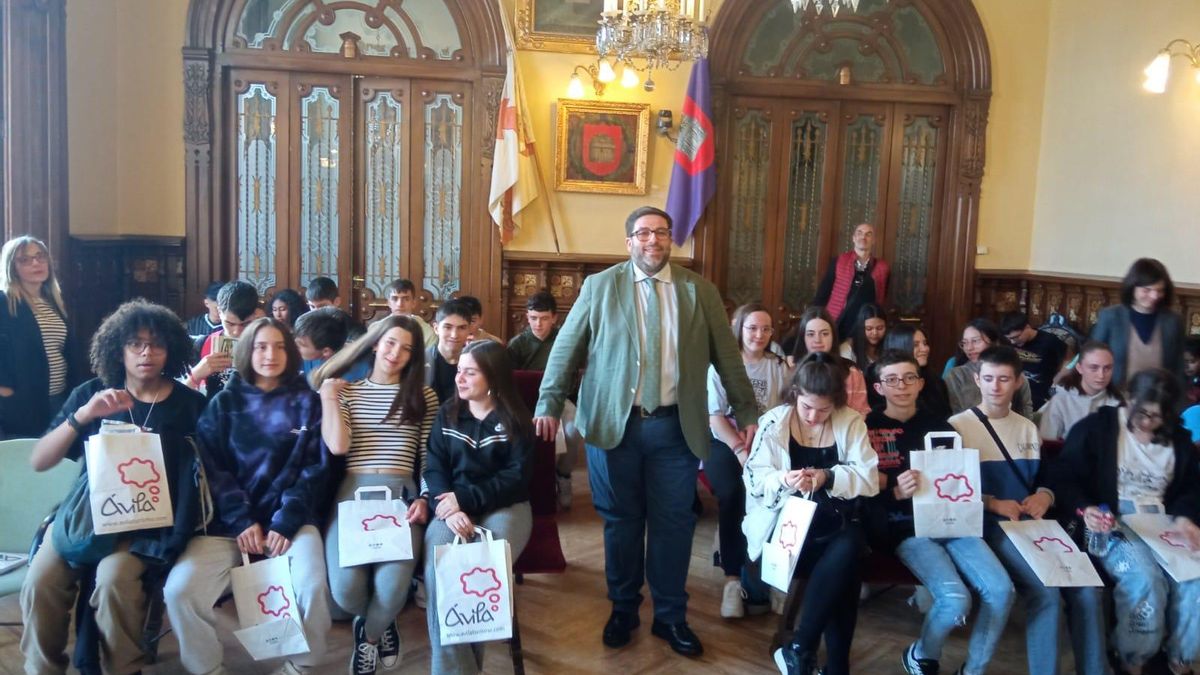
x,y
558,25
602,146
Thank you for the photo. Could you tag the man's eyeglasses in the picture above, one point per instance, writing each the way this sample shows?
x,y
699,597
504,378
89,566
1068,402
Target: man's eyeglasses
x,y
894,381
645,235
31,259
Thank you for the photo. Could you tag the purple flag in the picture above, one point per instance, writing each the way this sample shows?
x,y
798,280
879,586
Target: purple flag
x,y
694,176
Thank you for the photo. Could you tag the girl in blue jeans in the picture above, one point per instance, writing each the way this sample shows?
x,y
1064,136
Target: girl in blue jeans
x,y
949,568
1137,459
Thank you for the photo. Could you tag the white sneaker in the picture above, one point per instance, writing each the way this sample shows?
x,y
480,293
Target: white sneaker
x,y
419,594
778,598
733,605
564,491
288,668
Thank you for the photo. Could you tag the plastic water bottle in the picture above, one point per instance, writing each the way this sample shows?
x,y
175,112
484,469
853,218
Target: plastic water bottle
x,y
1098,541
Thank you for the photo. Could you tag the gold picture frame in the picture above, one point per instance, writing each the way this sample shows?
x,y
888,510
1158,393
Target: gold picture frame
x,y
601,147
558,25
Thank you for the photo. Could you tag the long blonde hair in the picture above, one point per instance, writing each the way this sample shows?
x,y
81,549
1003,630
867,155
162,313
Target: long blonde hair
x,y
10,282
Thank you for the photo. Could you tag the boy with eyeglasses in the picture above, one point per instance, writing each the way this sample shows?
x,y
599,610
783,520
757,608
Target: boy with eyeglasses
x,y
1014,488
949,568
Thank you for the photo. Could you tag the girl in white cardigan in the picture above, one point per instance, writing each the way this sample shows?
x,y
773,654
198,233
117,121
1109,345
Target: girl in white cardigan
x,y
816,447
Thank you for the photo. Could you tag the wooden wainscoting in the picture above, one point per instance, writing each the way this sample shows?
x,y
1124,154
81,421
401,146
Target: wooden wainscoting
x,y
1077,297
524,273
106,271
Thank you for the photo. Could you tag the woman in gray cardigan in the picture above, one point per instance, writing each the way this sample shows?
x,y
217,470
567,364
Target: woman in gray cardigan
x,y
1143,331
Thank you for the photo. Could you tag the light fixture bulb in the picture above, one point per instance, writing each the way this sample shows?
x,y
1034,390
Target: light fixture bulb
x,y
1197,74
1157,73
575,87
629,77
606,72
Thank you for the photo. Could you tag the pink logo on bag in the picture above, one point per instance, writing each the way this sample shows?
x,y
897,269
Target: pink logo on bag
x,y
954,487
138,473
274,601
788,534
480,581
1053,544
379,522
1176,539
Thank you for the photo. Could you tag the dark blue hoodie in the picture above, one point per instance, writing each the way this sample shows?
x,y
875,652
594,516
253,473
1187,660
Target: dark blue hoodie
x,y
262,451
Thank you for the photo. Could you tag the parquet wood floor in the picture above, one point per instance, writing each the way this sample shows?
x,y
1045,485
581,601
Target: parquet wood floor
x,y
562,617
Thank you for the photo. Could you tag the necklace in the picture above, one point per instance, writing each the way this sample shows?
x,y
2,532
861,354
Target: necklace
x,y
805,439
145,420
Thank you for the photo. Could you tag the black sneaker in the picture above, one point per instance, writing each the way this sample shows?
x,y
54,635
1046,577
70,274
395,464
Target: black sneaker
x,y
914,666
792,662
389,647
365,657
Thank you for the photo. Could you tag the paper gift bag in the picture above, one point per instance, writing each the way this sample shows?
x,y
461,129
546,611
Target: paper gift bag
x,y
1170,548
474,589
948,502
266,607
782,551
1051,553
373,530
127,482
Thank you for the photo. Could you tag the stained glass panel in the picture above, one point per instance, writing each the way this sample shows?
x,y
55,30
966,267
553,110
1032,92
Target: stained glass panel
x,y
748,208
805,184
384,188
860,184
443,196
256,158
918,172
319,181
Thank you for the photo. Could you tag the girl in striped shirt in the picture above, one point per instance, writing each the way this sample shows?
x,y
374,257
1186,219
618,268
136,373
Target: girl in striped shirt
x,y
381,425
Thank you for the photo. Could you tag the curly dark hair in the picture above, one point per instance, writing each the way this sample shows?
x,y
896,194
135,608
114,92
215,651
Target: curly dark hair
x,y
107,352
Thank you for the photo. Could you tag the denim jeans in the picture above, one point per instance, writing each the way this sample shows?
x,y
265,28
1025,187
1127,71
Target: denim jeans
x,y
1085,615
643,489
947,567
1150,605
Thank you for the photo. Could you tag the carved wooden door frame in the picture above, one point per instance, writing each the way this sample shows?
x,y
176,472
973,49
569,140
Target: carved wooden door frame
x,y
211,50
966,91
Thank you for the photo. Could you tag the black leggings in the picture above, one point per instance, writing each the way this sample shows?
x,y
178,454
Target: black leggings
x,y
725,474
833,569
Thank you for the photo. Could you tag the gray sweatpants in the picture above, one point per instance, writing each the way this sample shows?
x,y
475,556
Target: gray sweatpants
x,y
202,576
376,592
513,524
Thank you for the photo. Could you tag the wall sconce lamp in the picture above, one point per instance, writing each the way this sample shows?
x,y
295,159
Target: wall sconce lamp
x,y
1160,68
575,86
665,122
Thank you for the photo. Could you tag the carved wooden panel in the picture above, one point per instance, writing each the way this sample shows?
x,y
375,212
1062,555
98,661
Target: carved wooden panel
x,y
1078,298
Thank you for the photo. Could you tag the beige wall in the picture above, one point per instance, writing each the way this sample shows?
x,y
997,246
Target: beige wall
x,y
1017,32
1118,174
125,116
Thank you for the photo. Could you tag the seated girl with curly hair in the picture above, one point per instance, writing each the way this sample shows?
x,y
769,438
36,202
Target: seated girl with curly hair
x,y
137,352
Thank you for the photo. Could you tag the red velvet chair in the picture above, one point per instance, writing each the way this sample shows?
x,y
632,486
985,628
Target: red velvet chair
x,y
543,554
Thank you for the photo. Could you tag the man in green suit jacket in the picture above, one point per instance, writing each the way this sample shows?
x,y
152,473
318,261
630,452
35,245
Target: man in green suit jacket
x,y
647,331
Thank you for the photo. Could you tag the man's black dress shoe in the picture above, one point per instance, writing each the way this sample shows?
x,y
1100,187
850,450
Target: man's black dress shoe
x,y
679,636
619,629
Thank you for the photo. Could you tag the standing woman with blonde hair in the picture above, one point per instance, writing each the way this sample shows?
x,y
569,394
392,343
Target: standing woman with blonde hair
x,y
35,374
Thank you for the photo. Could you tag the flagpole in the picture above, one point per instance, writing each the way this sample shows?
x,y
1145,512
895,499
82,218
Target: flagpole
x,y
549,202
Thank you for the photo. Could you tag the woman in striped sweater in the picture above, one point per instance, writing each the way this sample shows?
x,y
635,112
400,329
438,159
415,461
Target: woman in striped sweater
x,y
381,425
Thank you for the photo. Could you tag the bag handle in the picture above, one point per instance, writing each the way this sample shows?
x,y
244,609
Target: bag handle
x,y
245,559
942,435
485,535
373,489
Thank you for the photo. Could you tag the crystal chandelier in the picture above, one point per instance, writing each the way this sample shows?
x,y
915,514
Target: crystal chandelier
x,y
833,5
661,34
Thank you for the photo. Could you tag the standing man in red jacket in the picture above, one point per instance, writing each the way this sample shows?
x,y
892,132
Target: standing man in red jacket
x,y
854,279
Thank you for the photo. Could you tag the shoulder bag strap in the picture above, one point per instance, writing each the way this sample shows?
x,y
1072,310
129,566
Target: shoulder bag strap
x,y
1003,450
